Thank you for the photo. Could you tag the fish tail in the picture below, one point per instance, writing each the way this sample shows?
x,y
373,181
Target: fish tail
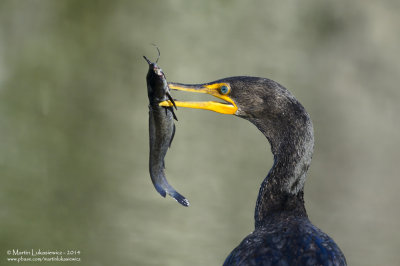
x,y
179,198
173,193
163,187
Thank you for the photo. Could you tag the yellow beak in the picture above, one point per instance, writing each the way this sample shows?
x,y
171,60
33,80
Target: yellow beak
x,y
219,90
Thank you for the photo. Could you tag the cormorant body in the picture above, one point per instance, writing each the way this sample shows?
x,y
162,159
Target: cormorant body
x,y
283,234
286,240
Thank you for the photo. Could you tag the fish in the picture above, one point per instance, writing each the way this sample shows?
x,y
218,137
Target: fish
x,y
161,129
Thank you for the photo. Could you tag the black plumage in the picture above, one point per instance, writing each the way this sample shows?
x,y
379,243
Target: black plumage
x,y
283,234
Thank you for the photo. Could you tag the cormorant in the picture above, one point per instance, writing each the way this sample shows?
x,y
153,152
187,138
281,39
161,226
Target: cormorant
x,y
283,234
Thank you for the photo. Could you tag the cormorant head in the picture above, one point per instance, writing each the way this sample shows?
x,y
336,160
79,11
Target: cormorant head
x,y
273,110
243,96
251,98
265,103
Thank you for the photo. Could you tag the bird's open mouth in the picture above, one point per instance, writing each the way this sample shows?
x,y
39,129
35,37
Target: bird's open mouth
x,y
219,90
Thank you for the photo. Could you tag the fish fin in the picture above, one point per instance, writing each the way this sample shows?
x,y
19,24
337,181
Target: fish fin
x,y
173,114
172,111
172,137
171,99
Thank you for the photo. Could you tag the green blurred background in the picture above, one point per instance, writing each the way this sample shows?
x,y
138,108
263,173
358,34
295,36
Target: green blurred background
x,y
74,130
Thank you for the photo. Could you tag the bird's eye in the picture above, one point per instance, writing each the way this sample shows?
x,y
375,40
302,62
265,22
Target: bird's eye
x,y
224,90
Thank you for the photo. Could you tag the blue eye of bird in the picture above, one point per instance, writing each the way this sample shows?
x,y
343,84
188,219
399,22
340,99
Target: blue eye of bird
x,y
224,90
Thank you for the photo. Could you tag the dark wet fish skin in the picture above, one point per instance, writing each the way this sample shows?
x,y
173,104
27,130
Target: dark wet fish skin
x,y
161,131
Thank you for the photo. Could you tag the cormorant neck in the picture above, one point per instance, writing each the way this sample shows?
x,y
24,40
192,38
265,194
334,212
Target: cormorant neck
x,y
292,142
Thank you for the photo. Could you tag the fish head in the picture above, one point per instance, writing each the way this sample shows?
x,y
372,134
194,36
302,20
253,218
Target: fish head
x,y
157,86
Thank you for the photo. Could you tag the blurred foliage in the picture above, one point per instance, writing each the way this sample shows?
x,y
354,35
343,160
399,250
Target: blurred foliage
x,y
73,125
